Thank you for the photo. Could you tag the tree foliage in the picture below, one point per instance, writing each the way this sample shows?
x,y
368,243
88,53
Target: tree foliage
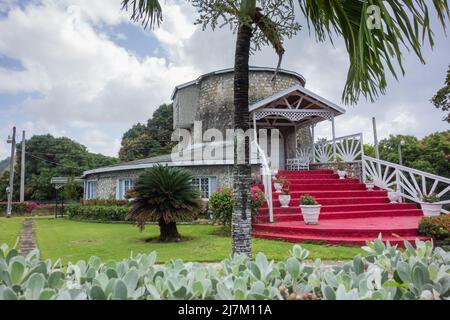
x,y
166,195
442,98
430,154
47,157
150,140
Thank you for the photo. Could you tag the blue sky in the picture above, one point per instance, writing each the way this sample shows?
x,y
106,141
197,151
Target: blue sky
x,y
79,68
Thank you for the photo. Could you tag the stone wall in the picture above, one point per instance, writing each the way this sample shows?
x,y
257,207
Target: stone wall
x,y
107,182
211,100
354,169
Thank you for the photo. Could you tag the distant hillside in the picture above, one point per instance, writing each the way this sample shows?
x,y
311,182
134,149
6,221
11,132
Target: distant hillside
x,y
4,165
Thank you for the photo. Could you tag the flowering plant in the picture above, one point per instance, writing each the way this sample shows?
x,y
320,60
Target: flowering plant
x,y
257,199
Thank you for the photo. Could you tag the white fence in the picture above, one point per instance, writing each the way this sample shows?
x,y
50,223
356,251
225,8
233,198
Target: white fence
x,y
348,148
411,184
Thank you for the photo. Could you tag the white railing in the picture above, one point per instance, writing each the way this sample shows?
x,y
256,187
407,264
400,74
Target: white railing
x,y
266,178
348,148
411,184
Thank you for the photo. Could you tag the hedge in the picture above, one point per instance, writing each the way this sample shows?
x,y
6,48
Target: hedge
x,y
99,213
19,208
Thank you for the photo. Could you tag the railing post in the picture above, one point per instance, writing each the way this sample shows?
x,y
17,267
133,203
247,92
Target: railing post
x,y
363,159
334,137
398,186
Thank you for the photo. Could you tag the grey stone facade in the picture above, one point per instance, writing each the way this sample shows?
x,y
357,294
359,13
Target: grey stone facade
x,y
210,99
107,182
354,169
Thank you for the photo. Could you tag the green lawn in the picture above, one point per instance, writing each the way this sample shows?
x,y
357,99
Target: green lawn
x,y
10,230
73,240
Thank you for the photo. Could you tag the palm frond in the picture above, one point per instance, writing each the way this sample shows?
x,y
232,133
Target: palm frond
x,y
164,192
148,12
405,25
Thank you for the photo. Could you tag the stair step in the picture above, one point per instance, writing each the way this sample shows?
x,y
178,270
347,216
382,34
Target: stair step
x,y
357,241
346,207
357,227
295,195
327,187
297,216
337,201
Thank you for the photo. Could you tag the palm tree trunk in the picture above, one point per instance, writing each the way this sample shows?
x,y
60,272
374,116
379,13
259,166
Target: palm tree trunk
x,y
168,232
242,217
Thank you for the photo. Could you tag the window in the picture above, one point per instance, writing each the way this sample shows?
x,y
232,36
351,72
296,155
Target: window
x,y
123,186
90,190
206,185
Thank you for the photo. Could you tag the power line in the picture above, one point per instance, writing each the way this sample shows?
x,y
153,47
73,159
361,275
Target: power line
x,y
55,163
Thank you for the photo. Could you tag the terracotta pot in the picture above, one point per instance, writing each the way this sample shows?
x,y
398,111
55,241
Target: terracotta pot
x,y
311,213
285,199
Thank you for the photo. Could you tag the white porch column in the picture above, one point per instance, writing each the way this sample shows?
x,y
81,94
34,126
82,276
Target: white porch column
x,y
313,151
334,137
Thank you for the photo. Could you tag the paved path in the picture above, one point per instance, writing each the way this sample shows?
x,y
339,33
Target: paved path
x,y
27,241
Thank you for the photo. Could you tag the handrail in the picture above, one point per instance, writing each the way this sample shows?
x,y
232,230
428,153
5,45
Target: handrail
x,y
410,183
267,179
349,148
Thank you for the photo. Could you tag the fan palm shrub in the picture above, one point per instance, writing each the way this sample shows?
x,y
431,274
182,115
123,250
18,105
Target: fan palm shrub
x,y
165,195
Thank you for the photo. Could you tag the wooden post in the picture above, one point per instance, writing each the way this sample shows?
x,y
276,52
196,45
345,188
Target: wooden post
x,y
22,169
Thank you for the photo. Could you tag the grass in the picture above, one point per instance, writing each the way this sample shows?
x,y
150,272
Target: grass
x,y
10,230
74,240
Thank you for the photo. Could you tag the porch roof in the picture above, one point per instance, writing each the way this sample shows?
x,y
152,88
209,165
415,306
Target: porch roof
x,y
297,98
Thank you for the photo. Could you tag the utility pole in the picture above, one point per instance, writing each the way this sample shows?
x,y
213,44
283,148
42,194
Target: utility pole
x,y
22,169
11,140
375,138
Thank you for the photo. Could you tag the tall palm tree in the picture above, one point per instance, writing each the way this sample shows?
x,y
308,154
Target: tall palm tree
x,y
400,25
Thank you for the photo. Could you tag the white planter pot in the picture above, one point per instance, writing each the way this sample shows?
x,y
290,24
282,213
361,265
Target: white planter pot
x,y
431,209
311,213
393,196
285,199
278,187
370,186
342,174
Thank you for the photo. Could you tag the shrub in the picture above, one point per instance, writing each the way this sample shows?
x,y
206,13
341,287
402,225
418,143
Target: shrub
x,y
99,213
221,203
18,208
431,198
437,228
307,200
387,273
103,202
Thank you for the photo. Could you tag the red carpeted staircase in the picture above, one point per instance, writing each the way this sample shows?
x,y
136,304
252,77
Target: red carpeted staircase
x,y
349,215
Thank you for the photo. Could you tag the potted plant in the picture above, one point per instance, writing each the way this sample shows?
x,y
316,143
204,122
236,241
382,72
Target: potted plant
x,y
393,195
369,183
279,183
310,209
430,205
285,198
340,168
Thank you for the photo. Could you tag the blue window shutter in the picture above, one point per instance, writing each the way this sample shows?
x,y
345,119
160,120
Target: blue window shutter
x,y
117,189
212,185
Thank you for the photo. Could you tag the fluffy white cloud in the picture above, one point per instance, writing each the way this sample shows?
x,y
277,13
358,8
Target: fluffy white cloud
x,y
91,89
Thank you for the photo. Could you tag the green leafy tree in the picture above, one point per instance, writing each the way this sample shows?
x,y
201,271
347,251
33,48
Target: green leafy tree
x,y
442,98
47,157
165,195
372,52
430,154
154,139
